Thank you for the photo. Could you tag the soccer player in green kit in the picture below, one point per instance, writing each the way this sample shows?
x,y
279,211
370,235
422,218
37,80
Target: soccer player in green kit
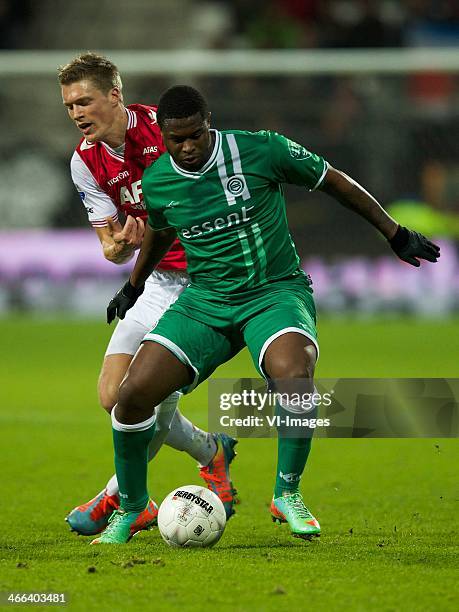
x,y
221,194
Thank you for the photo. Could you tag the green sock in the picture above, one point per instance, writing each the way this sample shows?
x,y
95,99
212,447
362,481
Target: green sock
x,y
131,461
293,447
292,454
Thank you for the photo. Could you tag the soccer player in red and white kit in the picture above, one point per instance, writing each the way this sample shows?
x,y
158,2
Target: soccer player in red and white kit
x,y
118,143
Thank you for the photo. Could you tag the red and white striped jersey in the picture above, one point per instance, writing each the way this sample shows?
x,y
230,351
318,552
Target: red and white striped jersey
x,y
109,180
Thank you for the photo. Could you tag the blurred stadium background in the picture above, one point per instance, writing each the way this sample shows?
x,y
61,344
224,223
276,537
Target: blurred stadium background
x,y
374,87
371,85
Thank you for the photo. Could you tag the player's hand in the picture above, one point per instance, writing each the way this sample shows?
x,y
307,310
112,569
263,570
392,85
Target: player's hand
x,y
131,234
124,299
410,245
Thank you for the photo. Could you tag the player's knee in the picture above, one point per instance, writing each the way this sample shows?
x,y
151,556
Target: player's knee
x,y
108,394
286,371
310,354
132,398
288,368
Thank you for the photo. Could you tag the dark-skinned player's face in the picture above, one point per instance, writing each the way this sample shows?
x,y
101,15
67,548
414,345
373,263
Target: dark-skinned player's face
x,y
188,141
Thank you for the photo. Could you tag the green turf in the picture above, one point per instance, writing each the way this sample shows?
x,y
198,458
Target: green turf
x,y
388,508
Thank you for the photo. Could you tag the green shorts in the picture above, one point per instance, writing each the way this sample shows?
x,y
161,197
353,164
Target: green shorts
x,y
205,329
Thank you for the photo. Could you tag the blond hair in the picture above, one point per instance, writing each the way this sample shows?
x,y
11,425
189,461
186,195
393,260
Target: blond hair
x,y
101,71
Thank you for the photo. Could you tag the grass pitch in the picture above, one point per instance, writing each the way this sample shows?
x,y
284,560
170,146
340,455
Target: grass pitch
x,y
388,508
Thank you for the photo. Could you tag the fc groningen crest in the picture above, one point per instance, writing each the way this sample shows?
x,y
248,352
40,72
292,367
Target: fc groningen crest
x,y
235,184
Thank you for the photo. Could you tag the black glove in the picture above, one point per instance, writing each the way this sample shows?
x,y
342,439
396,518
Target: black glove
x,y
124,299
408,245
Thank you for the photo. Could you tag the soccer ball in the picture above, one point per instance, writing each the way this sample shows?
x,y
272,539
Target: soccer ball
x,y
191,516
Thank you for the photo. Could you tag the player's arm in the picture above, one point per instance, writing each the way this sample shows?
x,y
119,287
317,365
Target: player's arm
x,y
292,163
119,242
155,245
407,244
353,196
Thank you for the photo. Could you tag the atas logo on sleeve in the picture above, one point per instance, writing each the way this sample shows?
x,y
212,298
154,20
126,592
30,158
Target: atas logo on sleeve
x,y
297,151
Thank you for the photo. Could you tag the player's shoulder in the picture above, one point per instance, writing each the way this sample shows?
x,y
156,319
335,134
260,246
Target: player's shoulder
x,y
144,109
157,180
250,139
161,166
77,164
84,147
261,135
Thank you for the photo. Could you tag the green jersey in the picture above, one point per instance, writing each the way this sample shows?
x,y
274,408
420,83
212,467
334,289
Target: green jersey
x,y
230,215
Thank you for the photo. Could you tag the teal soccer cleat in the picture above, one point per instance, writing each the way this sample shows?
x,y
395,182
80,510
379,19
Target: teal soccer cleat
x,y
92,517
123,525
290,509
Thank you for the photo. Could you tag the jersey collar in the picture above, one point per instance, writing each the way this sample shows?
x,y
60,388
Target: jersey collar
x,y
209,163
117,153
132,118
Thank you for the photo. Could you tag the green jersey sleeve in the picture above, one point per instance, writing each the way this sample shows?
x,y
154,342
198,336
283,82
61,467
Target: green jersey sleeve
x,y
156,218
293,163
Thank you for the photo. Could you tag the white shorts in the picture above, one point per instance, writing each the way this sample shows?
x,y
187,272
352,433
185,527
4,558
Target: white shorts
x,y
162,288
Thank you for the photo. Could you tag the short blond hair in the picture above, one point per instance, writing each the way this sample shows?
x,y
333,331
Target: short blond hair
x,y
100,70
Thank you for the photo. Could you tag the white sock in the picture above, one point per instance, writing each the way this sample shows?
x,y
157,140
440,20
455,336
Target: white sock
x,y
185,436
142,426
112,486
164,416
